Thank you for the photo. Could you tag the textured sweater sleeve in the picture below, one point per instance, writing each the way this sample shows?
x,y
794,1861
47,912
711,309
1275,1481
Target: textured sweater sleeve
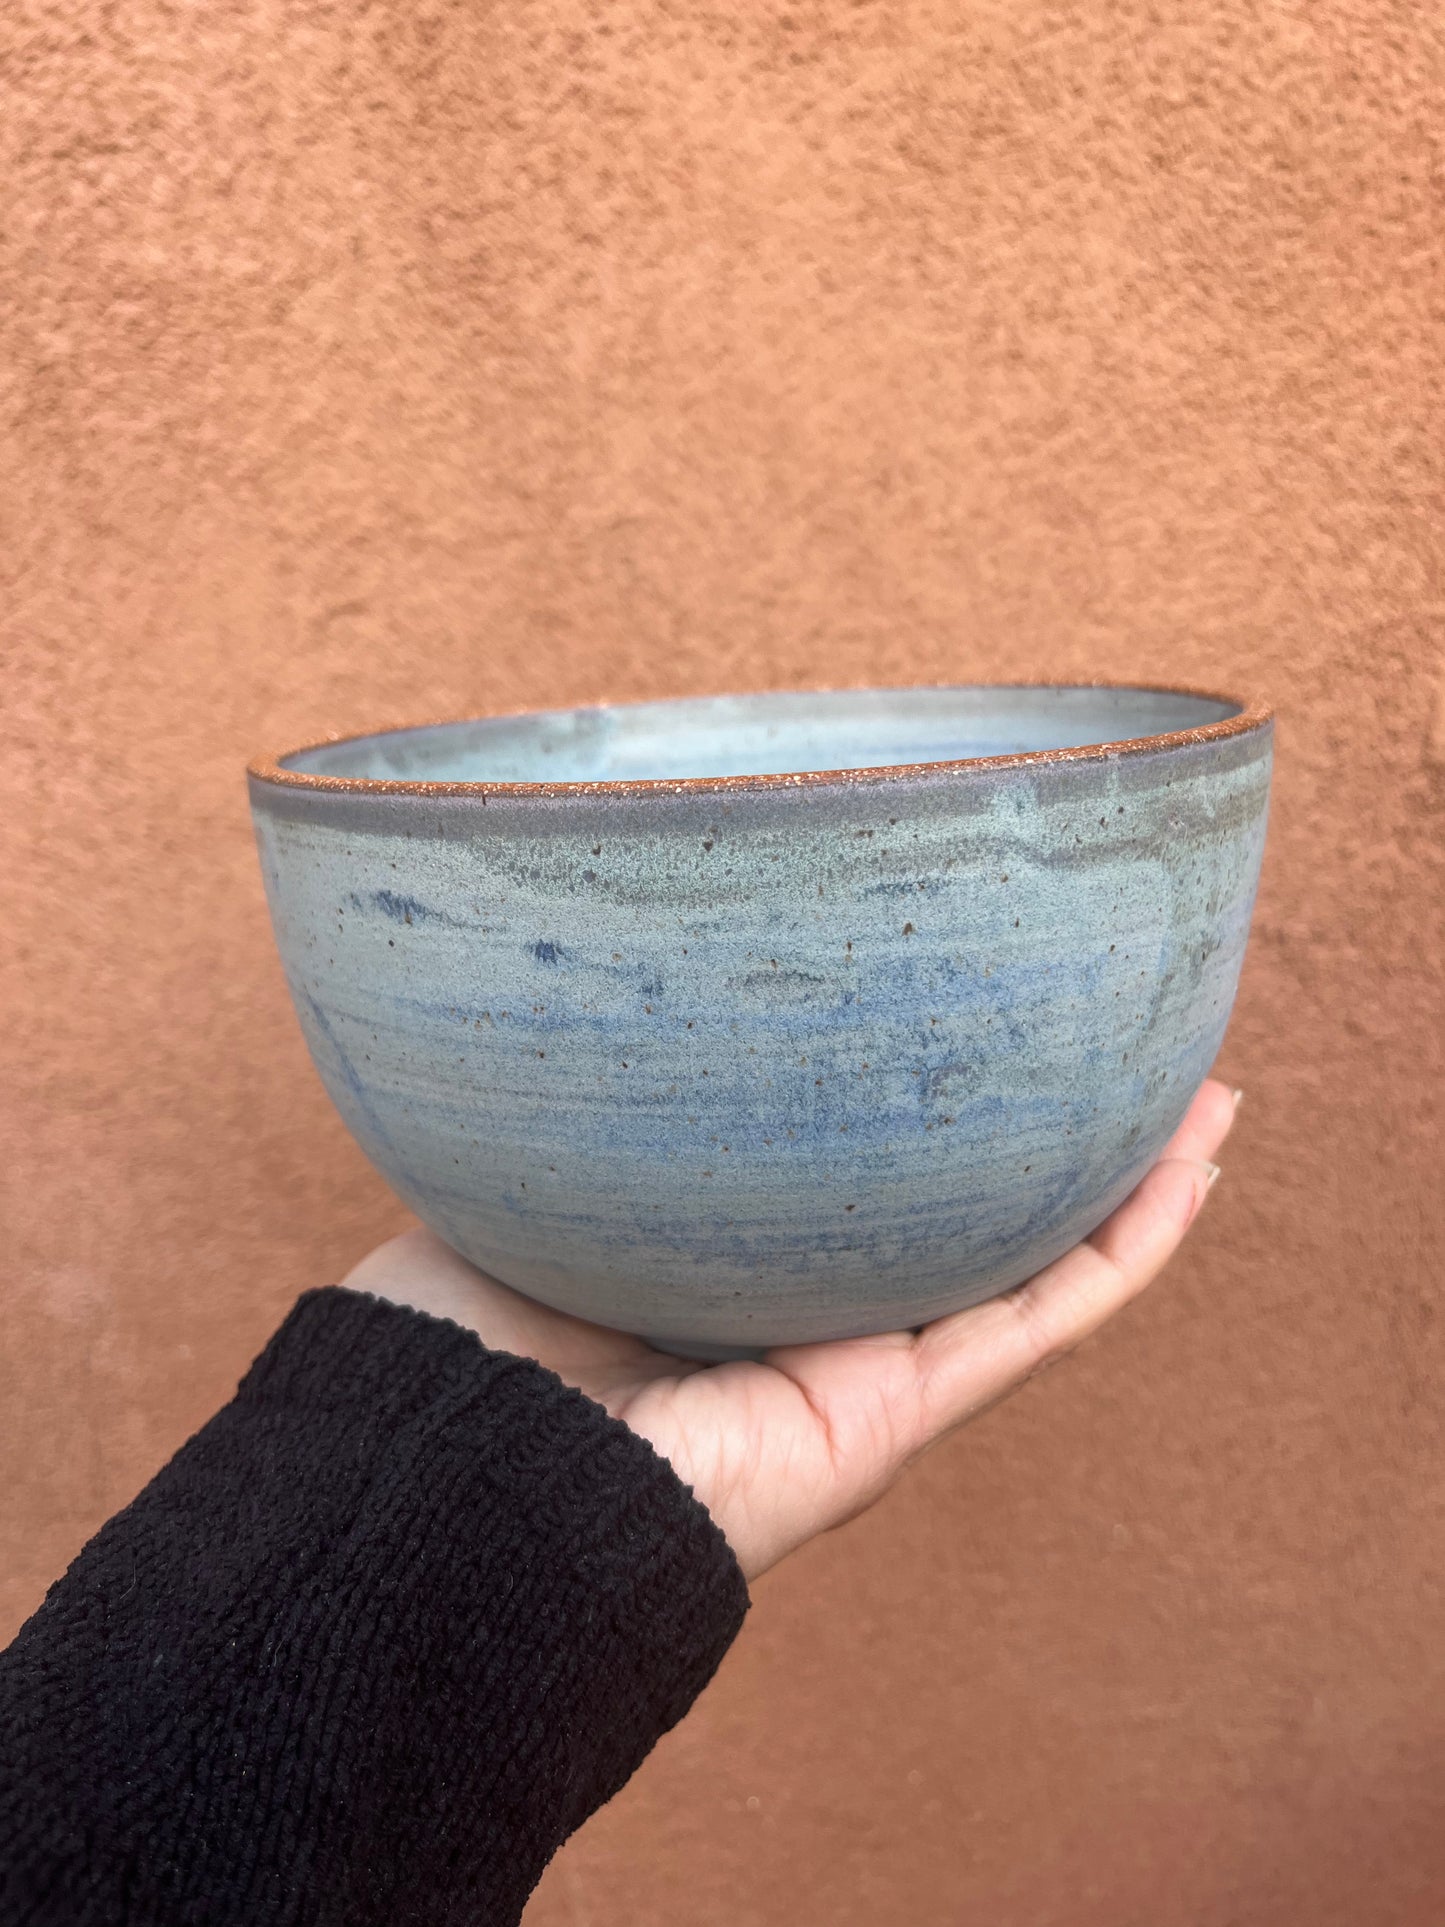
x,y
366,1650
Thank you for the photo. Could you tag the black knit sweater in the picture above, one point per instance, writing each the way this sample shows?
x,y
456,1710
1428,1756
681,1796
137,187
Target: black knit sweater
x,y
366,1651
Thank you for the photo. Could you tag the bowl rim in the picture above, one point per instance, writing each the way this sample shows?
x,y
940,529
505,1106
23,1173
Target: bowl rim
x,y
1252,714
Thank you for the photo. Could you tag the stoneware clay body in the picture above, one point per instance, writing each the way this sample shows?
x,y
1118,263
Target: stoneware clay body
x,y
745,1021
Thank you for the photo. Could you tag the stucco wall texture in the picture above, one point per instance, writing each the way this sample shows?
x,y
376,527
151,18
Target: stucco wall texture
x,y
380,361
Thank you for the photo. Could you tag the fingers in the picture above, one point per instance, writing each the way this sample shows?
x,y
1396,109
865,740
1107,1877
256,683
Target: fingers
x,y
972,1359
1206,1123
975,1357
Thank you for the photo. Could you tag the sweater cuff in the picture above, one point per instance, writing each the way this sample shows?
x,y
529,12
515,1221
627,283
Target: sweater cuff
x,y
367,1650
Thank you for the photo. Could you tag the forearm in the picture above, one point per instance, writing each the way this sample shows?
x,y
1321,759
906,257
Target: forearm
x,y
367,1650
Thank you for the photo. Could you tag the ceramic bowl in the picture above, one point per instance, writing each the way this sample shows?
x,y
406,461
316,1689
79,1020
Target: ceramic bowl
x,y
751,1020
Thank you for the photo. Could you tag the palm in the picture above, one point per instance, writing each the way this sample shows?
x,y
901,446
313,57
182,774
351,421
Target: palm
x,y
804,1439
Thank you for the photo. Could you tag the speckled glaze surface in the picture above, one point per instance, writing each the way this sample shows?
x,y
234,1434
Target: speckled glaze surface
x,y
744,1021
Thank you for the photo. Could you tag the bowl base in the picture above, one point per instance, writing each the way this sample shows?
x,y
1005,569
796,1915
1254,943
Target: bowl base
x,y
706,1354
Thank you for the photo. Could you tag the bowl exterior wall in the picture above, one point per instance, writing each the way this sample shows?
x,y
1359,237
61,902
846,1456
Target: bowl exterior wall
x,y
773,1064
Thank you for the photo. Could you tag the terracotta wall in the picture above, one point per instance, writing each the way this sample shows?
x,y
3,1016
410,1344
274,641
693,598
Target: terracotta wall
x,y
440,355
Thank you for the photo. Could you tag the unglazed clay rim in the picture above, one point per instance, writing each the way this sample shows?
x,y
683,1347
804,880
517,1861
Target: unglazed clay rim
x,y
1252,715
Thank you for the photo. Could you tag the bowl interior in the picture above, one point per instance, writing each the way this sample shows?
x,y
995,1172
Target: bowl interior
x,y
762,735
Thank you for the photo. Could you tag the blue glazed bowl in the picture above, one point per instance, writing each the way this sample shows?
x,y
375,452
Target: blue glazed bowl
x,y
751,1020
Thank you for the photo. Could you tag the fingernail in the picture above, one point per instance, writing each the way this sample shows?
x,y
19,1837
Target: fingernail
x,y
1238,1099
1211,1175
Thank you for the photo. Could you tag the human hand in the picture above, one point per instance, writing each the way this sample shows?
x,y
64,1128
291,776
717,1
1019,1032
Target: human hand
x,y
808,1437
